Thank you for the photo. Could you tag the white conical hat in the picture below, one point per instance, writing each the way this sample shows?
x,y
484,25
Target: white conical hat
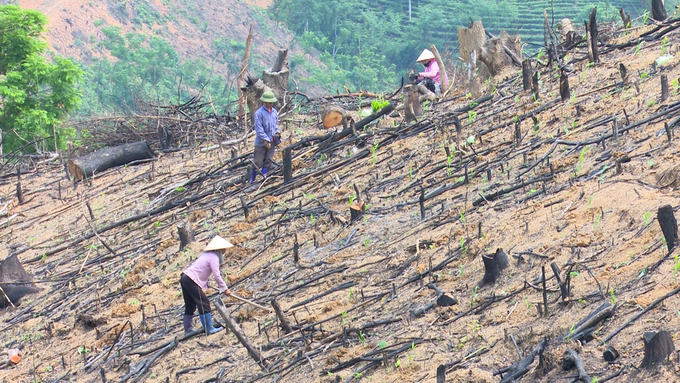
x,y
427,55
218,243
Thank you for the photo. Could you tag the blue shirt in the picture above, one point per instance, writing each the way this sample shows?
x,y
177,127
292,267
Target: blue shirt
x,y
266,125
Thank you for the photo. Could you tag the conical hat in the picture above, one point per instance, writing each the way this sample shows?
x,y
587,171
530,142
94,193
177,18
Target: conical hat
x,y
427,55
218,243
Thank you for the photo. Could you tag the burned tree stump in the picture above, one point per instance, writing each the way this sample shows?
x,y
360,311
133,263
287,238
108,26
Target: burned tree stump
x,y
441,373
534,86
565,94
520,368
658,347
659,10
89,164
527,71
563,286
252,91
287,165
500,52
625,18
592,29
412,107
15,282
186,234
669,225
20,193
571,359
664,88
610,354
493,265
624,73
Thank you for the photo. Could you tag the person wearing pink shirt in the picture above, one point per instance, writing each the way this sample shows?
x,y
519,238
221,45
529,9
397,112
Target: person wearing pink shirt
x,y
194,280
431,77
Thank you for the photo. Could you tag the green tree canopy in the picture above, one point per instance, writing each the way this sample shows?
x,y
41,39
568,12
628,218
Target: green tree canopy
x,y
35,92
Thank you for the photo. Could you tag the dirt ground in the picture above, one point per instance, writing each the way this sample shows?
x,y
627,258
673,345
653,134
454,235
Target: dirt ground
x,y
586,218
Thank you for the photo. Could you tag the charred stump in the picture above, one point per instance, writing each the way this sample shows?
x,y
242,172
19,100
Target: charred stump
x,y
534,86
15,282
658,347
186,234
565,94
282,317
20,193
412,107
287,165
333,115
84,167
658,10
625,18
527,71
664,88
520,368
240,335
669,225
563,286
592,28
441,373
253,90
493,265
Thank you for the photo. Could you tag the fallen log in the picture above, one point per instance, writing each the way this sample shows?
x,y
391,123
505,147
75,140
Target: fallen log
x,y
572,359
333,115
520,368
589,322
236,330
84,167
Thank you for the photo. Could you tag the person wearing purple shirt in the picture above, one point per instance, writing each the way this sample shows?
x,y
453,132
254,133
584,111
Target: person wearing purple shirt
x,y
267,135
194,280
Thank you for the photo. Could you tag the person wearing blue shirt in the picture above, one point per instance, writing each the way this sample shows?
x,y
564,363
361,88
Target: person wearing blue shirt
x,y
267,135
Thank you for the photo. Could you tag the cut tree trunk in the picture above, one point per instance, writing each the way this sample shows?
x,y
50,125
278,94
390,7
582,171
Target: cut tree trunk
x,y
470,39
493,265
669,225
277,79
527,71
658,347
664,87
95,162
659,10
15,282
236,330
253,91
186,234
565,94
497,53
572,359
242,73
333,115
625,18
592,28
412,107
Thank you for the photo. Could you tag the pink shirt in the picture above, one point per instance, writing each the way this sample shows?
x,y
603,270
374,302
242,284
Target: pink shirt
x,y
432,71
200,271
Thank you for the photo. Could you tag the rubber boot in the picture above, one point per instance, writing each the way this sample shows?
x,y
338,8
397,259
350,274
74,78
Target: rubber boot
x,y
264,172
206,321
187,321
253,174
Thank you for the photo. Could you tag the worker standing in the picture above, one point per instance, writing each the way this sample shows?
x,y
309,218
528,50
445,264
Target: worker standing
x,y
195,279
431,77
267,135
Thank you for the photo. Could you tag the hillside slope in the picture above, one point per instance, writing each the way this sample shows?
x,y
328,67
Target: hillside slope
x,y
191,27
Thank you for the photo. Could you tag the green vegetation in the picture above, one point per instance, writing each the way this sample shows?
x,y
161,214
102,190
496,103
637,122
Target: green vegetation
x,y
36,92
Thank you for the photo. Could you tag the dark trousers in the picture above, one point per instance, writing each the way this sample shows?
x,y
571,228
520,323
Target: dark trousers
x,y
194,297
263,157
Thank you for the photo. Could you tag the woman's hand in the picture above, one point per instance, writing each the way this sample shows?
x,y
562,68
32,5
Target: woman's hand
x,y
227,293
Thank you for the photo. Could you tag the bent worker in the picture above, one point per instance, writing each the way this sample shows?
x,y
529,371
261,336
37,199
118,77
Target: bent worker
x,y
431,77
195,279
267,135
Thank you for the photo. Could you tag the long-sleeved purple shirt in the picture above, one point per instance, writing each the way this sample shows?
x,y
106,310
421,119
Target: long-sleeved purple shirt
x,y
432,71
199,271
266,125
